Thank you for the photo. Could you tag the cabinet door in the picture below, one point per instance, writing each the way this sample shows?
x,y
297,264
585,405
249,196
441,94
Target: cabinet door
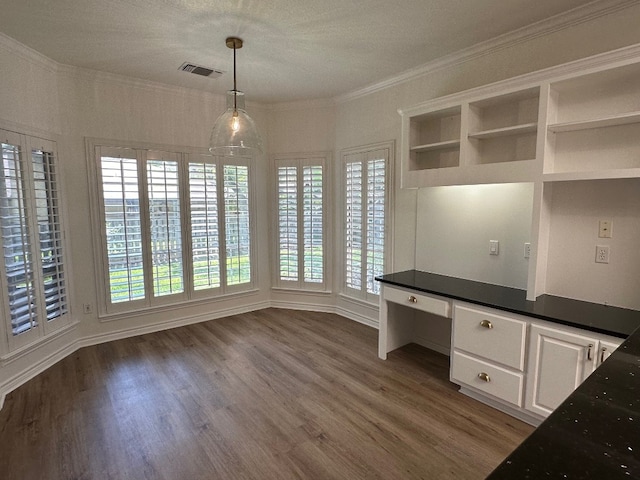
x,y
559,361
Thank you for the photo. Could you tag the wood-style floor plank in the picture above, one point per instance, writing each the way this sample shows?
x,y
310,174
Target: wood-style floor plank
x,y
274,394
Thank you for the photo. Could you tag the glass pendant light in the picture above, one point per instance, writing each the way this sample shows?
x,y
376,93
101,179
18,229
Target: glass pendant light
x,y
235,132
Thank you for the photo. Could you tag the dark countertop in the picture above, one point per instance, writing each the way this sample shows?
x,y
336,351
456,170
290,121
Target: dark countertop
x,y
614,321
595,432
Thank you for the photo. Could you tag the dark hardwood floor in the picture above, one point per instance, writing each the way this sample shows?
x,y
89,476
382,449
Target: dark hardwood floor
x,y
274,394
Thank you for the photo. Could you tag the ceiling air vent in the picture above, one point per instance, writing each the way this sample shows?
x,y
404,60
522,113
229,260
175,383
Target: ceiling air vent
x,y
200,70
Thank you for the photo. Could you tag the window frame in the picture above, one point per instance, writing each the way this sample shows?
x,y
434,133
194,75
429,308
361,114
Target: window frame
x,y
364,154
299,161
27,145
184,156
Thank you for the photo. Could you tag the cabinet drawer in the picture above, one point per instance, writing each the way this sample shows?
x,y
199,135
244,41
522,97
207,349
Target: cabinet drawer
x,y
426,303
496,381
498,338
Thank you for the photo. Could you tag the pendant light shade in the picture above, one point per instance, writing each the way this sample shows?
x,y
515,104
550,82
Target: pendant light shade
x,y
235,132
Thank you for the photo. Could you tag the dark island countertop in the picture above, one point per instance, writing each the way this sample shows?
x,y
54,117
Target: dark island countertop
x,y
595,432
609,320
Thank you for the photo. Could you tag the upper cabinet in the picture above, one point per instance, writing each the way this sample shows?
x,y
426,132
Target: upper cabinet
x,y
579,121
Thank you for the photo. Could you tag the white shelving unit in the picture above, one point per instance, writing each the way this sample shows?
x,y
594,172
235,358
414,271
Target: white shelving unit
x,y
573,123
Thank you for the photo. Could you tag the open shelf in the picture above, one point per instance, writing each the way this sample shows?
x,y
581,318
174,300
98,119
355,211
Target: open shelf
x,y
592,175
449,144
611,121
505,131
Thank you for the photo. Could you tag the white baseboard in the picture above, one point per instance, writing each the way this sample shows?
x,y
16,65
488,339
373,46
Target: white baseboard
x,y
180,322
356,317
512,411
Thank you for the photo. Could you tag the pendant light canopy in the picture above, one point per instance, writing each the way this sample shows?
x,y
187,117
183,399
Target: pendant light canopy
x,y
234,132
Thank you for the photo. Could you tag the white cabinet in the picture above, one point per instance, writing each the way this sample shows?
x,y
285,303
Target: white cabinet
x,y
521,365
488,352
570,127
471,140
560,359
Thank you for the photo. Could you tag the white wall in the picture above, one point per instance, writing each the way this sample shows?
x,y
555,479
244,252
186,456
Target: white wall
x,y
455,224
576,208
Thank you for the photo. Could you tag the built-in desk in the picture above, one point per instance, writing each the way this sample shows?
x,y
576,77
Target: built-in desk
x,y
594,433
593,317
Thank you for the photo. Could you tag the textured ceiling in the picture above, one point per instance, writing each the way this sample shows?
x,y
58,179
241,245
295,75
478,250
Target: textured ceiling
x,y
294,49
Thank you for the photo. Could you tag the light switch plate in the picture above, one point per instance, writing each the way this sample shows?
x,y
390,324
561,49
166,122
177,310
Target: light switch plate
x,y
494,247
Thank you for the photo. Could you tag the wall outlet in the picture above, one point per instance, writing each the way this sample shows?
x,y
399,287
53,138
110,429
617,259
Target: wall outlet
x,y
527,250
602,253
87,308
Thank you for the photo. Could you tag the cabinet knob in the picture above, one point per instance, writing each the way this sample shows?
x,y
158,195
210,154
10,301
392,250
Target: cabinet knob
x,y
486,324
484,377
413,299
589,352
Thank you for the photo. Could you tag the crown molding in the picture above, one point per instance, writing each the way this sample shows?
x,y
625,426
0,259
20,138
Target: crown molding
x,y
615,58
20,50
562,21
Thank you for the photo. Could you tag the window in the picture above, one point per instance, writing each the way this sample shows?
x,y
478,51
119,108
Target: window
x,y
34,285
176,226
300,259
366,210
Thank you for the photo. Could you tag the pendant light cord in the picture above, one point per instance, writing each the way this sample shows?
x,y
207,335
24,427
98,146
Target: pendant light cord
x,y
235,89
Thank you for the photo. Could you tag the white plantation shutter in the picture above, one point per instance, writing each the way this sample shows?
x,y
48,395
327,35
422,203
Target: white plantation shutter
x,y
16,242
176,226
300,240
35,298
313,213
376,205
50,232
205,231
123,227
353,224
365,214
165,226
237,225
288,222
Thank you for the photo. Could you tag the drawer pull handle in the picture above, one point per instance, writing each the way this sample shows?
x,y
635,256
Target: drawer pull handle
x,y
602,352
413,299
486,324
589,351
484,377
